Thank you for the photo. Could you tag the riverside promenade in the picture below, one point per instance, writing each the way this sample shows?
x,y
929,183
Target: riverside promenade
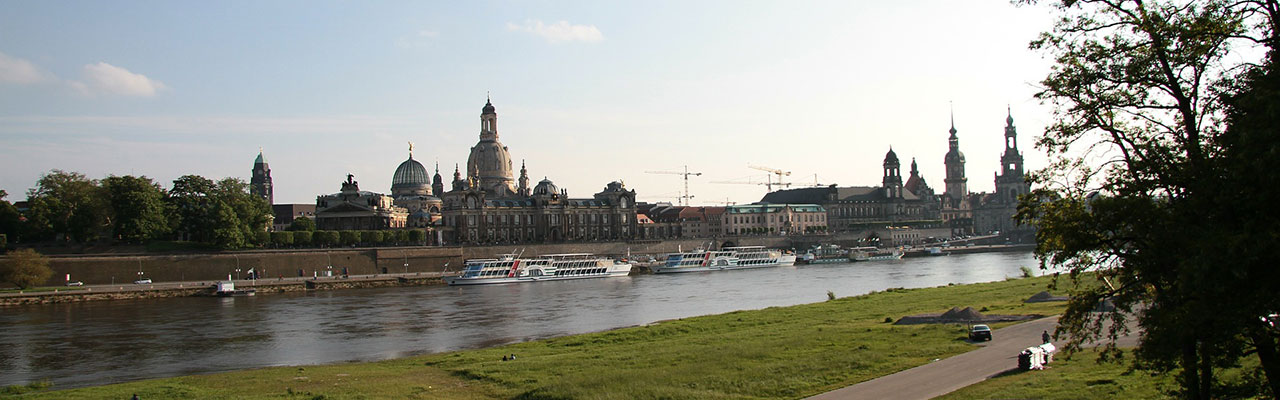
x,y
948,375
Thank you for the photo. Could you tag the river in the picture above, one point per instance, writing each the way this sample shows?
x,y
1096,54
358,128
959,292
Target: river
x,y
94,343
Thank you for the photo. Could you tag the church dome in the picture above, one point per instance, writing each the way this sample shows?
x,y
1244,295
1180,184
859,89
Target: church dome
x,y
545,187
954,156
488,108
891,157
410,178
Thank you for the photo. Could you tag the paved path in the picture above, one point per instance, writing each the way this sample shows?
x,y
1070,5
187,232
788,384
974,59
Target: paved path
x,y
945,376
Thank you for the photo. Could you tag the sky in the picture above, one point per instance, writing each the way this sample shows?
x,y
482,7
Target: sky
x,y
586,92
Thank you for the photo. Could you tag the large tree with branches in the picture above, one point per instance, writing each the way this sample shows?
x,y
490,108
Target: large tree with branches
x,y
1163,143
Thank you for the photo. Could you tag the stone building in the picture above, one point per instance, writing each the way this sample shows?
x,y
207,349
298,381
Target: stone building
x,y
785,219
853,207
996,210
412,190
354,209
487,206
260,183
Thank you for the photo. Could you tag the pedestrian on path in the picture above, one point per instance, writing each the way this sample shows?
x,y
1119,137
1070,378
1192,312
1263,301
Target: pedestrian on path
x,y
1045,336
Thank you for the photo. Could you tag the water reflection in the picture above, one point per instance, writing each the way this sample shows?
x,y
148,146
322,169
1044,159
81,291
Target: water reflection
x,y
105,342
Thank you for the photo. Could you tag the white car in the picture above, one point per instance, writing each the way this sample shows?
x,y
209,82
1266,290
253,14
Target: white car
x,y
75,283
143,281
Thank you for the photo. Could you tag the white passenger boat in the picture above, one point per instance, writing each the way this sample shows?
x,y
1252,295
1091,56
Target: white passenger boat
x,y
874,254
727,258
509,268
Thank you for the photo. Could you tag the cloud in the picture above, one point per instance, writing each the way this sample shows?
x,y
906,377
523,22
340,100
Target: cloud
x,y
558,32
22,72
103,78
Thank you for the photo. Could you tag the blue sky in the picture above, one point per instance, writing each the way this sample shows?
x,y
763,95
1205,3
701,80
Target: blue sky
x,y
586,92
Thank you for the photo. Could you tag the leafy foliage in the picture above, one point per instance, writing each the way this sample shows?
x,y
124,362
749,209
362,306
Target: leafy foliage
x,y
1184,125
137,208
302,224
25,268
66,204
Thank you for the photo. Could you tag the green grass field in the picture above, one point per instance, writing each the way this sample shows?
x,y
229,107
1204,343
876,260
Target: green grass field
x,y
779,352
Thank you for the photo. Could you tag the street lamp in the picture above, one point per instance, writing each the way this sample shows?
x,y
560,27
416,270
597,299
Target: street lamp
x,y
237,274
406,260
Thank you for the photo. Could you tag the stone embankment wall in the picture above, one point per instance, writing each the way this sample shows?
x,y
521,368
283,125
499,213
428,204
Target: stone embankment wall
x,y
122,269
266,286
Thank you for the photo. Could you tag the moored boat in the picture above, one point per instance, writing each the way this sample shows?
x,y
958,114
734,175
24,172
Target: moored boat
x,y
228,289
874,254
725,259
509,268
826,253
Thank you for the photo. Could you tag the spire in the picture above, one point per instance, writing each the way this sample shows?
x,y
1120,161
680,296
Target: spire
x,y
410,150
953,121
1009,120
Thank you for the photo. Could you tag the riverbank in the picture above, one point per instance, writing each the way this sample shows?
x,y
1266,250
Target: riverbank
x,y
777,352
206,289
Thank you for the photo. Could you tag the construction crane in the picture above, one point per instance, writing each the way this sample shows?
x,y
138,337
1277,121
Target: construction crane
x,y
685,198
767,185
775,171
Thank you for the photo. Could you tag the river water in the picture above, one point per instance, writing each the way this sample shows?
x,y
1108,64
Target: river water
x,y
95,343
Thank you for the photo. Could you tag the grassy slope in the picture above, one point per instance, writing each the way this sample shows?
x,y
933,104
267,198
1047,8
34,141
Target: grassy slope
x,y
779,352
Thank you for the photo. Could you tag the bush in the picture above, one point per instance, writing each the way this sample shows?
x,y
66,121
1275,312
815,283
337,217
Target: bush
x,y
831,295
402,236
261,237
416,235
302,224
25,268
302,238
325,238
1026,272
282,238
370,237
348,238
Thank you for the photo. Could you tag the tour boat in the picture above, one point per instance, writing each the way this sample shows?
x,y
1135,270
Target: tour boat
x,y
509,268
874,254
724,259
827,253
936,252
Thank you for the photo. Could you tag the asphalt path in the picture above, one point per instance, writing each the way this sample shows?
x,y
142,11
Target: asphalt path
x,y
948,375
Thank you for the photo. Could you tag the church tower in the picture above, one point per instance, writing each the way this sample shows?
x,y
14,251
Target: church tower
x,y
956,184
892,176
260,183
437,183
1010,182
490,161
523,190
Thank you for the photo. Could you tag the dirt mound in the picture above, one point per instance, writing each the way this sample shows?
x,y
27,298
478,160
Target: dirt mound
x,y
956,314
1043,297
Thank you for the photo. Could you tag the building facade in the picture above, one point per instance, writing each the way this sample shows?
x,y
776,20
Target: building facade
x,y
766,218
996,211
412,190
488,205
354,209
853,207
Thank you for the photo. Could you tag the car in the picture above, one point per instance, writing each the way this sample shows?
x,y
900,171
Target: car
x,y
75,283
979,332
143,281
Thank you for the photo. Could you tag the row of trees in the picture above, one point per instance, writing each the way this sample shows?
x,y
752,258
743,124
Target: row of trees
x,y
1181,101
69,207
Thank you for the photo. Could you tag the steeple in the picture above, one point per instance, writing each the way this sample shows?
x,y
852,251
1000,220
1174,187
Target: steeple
x,y
437,182
524,180
488,120
892,175
957,186
457,178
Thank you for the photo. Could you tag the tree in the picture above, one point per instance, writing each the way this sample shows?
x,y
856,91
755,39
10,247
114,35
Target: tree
x,y
227,232
349,238
302,238
68,205
326,238
191,197
25,268
1156,90
370,238
10,219
136,208
282,238
302,224
417,235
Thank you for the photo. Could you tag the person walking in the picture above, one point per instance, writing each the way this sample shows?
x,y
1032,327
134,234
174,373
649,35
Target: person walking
x,y
1045,336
